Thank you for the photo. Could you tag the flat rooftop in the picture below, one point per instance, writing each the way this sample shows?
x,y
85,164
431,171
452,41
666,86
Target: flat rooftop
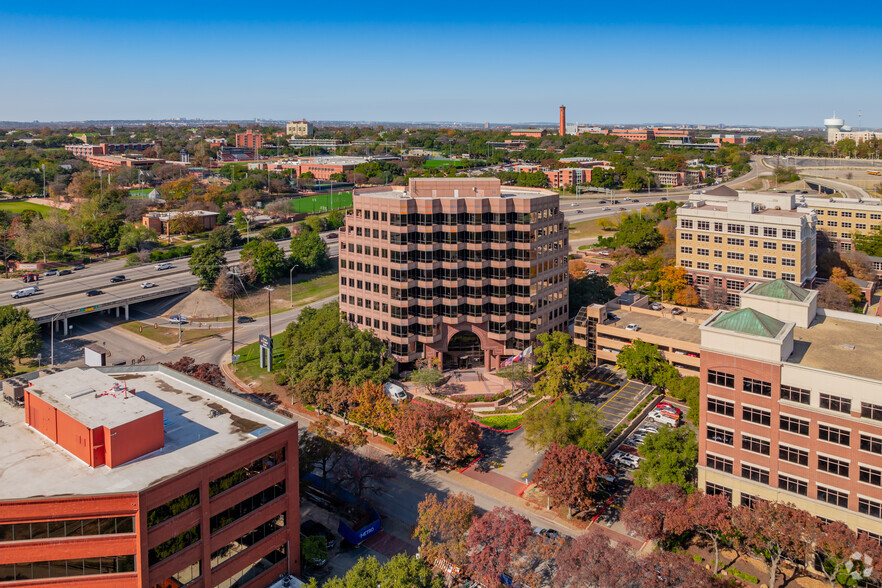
x,y
658,325
507,192
825,345
199,426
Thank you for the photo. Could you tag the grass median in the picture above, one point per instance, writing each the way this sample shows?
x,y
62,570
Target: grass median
x,y
169,335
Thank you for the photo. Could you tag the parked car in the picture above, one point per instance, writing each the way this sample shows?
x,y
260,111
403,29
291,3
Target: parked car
x,y
148,285
52,272
64,273
632,327
79,266
551,534
94,293
395,392
668,406
30,278
163,266
310,528
333,236
178,320
676,311
656,306
648,429
625,459
664,419
244,319
117,279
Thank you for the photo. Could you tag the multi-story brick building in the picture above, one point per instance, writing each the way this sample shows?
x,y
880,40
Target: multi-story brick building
x,y
632,134
125,477
80,150
840,219
535,133
685,134
249,140
791,406
299,128
462,270
727,241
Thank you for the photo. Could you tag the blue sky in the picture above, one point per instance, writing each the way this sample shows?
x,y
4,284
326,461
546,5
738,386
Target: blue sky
x,y
772,63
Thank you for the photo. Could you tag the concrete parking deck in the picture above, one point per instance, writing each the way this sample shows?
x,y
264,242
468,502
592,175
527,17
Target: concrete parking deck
x,y
614,395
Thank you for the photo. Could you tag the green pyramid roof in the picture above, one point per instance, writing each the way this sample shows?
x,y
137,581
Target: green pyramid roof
x,y
749,322
781,290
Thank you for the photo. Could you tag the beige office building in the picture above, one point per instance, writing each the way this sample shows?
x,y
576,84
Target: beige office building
x,y
727,240
299,128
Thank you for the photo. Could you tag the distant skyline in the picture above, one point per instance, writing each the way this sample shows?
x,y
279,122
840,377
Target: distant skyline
x,y
780,64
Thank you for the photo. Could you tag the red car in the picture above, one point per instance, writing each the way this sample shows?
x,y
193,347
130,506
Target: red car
x,y
669,407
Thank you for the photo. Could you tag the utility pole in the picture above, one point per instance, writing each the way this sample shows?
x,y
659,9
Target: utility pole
x,y
269,307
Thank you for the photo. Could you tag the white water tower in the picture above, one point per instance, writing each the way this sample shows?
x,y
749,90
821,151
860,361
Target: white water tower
x,y
833,125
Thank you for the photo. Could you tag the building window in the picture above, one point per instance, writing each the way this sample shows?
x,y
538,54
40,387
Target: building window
x,y
757,387
754,230
748,500
834,434
184,576
736,255
737,229
871,411
754,444
754,473
870,507
770,232
236,546
733,299
788,247
70,528
172,508
720,435
686,223
702,251
752,272
786,261
870,475
718,378
686,250
837,403
61,568
246,472
871,444
757,415
686,236
258,566
794,485
770,245
702,225
833,496
788,277
872,536
833,466
793,455
173,545
769,275
734,241
719,463
794,394
794,425
703,238
712,489
250,504
768,260
721,407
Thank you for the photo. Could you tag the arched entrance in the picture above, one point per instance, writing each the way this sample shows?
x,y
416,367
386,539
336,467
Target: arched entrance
x,y
464,351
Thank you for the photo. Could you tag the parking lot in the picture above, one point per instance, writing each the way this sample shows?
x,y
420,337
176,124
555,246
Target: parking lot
x,y
613,394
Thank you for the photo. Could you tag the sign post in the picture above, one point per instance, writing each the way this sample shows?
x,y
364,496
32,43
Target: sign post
x,y
266,352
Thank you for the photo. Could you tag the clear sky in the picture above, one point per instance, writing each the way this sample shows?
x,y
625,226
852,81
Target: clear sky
x,y
764,63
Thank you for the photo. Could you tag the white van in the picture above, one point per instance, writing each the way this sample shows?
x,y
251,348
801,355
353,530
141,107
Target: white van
x,y
395,392
24,292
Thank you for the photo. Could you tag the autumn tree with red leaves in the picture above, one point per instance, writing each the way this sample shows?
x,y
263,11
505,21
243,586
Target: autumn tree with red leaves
x,y
656,513
436,431
663,569
590,560
772,530
210,373
493,539
570,476
836,545
442,527
711,517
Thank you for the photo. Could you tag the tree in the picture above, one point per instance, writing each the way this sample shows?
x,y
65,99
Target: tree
x,y
833,297
442,527
428,377
518,374
662,569
321,349
308,252
570,476
578,269
224,237
565,422
493,539
133,236
771,530
372,407
843,555
840,277
44,236
869,243
447,434
859,265
669,457
402,571
637,232
640,360
565,364
628,272
671,281
360,475
687,296
711,517
206,263
268,259
594,289
648,512
19,336
590,560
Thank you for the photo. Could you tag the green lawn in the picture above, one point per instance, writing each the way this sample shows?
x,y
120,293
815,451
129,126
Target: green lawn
x,y
503,422
19,207
589,228
322,202
248,367
457,163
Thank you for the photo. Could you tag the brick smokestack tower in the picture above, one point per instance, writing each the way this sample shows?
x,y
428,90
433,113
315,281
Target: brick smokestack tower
x,y
563,121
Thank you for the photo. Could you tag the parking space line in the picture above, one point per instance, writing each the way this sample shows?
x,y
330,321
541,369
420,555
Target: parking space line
x,y
601,382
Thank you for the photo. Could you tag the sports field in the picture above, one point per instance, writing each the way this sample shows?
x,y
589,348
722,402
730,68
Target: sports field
x,y
19,207
322,202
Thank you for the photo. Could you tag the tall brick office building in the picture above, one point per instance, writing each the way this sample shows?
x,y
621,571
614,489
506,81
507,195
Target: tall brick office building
x,y
791,406
144,478
462,270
